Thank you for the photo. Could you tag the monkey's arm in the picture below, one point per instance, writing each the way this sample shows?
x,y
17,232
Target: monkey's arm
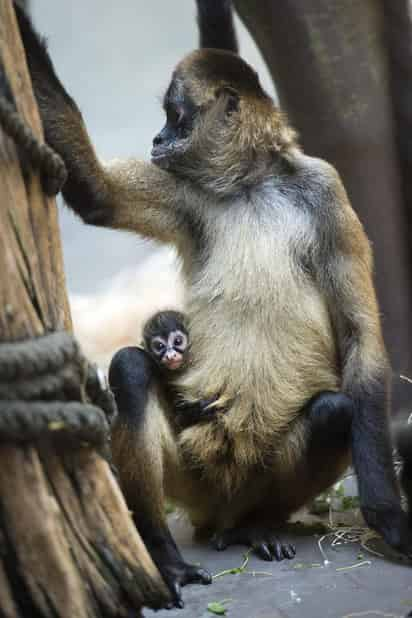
x,y
216,28
365,374
131,194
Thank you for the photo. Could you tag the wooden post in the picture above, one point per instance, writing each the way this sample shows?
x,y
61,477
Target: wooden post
x,y
68,546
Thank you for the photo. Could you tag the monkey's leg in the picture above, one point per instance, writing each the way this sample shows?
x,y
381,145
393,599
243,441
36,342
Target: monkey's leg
x,y
328,419
403,440
334,425
373,463
138,442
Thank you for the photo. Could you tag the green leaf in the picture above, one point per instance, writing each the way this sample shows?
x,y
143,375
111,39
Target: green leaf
x,y
216,608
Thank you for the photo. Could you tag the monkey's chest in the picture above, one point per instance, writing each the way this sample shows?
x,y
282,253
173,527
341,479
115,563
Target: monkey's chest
x,y
258,323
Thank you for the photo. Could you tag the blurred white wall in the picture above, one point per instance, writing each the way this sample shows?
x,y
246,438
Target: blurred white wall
x,y
115,59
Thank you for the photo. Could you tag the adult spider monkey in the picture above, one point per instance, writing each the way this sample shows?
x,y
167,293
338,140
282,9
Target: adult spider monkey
x,y
280,306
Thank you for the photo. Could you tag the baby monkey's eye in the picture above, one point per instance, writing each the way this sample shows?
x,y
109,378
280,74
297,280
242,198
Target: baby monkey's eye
x,y
158,346
178,340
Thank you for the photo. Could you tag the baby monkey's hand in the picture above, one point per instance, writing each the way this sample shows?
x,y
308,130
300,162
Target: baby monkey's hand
x,y
200,411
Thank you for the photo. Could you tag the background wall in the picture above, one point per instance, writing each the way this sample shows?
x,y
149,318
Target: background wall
x,y
116,58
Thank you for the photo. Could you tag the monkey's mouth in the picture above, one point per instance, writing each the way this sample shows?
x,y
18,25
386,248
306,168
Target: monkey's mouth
x,y
160,157
165,156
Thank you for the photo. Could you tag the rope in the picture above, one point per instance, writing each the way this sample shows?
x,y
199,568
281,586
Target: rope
x,y
41,156
42,384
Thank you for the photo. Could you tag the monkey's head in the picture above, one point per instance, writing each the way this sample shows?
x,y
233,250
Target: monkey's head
x,y
222,130
166,340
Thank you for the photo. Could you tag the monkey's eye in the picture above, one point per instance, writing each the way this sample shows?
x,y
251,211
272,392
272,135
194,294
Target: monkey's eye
x,y
175,115
180,341
158,346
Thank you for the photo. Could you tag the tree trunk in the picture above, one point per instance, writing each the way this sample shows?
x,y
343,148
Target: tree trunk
x,y
329,64
68,544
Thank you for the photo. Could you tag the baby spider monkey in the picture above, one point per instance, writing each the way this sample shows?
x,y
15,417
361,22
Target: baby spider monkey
x,y
166,347
166,340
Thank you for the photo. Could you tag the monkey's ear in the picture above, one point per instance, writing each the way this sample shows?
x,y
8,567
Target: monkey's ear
x,y
232,98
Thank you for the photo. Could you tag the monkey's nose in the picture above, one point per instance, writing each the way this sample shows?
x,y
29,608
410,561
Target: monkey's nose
x,y
171,354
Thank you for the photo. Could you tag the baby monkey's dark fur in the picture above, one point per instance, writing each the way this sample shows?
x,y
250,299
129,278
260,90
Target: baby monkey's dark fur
x,y
280,307
163,328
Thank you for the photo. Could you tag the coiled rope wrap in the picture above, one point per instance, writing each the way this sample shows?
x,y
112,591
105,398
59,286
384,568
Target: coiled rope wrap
x,y
42,384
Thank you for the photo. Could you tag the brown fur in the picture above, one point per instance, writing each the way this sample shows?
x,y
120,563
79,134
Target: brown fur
x,y
278,270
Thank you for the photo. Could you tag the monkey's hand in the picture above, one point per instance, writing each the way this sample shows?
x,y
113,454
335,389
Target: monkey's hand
x,y
200,411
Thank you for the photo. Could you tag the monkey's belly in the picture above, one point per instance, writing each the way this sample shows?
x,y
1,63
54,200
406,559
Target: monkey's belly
x,y
268,353
221,492
264,370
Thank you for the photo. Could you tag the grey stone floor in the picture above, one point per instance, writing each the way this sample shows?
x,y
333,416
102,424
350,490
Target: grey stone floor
x,y
296,588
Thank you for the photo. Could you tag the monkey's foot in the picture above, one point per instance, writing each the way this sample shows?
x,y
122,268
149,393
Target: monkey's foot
x,y
262,541
394,526
177,574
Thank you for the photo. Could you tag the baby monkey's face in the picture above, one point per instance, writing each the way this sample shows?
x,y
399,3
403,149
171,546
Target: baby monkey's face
x,y
170,351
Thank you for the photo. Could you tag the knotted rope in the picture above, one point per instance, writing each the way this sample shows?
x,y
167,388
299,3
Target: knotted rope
x,y
42,384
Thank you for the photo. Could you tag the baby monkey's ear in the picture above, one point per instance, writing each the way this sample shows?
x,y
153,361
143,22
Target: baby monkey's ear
x,y
232,98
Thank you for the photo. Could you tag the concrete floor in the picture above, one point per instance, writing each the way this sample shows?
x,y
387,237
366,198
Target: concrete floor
x,y
296,588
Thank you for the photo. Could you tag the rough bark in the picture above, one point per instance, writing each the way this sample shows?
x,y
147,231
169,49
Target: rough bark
x,y
329,63
68,546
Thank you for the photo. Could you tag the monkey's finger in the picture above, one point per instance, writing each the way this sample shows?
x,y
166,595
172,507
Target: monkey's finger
x,y
195,575
176,591
277,550
262,550
204,576
288,551
220,402
219,542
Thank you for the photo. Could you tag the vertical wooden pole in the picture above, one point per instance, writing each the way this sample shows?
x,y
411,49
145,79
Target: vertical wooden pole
x,y
68,546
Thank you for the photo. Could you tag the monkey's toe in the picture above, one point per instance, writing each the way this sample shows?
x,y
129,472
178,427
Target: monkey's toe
x,y
273,549
195,575
180,574
262,542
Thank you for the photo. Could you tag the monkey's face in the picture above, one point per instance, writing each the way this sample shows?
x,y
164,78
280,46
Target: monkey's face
x,y
173,141
193,125
169,351
200,106
216,117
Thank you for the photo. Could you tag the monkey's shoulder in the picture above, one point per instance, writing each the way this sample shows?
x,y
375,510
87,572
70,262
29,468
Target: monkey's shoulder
x,y
315,180
317,185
